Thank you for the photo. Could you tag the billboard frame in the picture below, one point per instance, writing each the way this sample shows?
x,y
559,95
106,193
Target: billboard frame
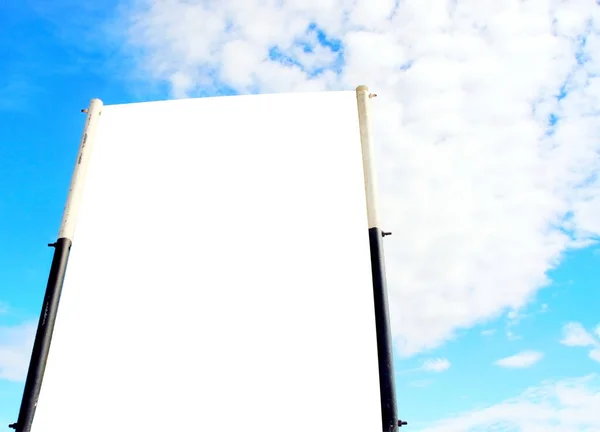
x,y
62,246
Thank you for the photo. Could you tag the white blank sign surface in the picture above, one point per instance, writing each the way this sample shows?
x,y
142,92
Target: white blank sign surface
x,y
219,277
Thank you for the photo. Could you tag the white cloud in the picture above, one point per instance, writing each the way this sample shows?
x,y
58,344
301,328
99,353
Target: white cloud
x,y
523,359
568,405
473,187
489,332
15,350
575,335
436,365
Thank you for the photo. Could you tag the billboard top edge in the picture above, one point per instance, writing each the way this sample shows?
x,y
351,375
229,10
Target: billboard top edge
x,y
244,95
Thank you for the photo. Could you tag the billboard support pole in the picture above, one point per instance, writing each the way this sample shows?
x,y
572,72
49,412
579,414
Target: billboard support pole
x,y
387,387
62,247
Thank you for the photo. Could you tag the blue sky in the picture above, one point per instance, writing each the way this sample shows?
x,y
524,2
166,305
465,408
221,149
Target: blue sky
x,y
473,378
487,270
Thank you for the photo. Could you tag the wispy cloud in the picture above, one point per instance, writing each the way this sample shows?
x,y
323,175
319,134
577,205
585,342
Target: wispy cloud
x,y
15,350
436,365
554,406
489,332
421,383
512,336
575,335
521,360
514,317
18,94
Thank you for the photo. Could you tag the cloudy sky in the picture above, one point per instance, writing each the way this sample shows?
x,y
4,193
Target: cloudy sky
x,y
488,147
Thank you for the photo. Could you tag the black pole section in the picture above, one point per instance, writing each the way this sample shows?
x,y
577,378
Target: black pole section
x,y
387,386
43,336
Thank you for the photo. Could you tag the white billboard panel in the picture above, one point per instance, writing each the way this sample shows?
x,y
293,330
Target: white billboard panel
x,y
220,275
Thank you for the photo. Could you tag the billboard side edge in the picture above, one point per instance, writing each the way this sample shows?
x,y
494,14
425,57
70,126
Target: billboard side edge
x,y
62,248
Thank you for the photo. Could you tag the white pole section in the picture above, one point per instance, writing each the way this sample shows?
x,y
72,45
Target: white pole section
x,y
363,99
69,220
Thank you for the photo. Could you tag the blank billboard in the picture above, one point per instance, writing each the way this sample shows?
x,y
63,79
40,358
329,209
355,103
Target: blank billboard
x,y
220,275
